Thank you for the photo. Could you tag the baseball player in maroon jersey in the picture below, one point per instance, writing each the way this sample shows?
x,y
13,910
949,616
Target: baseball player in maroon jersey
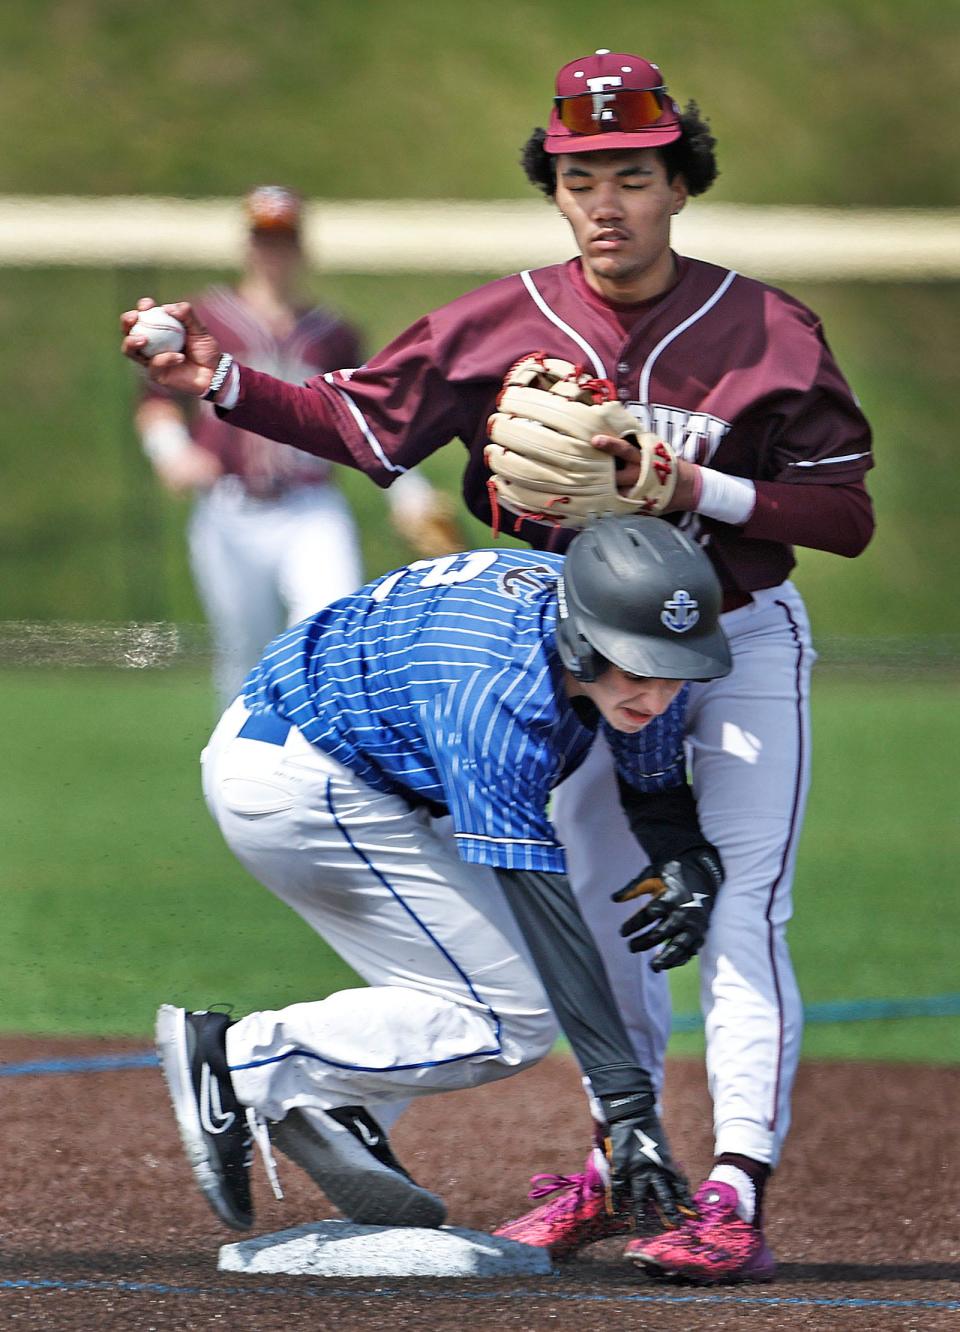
x,y
271,538
771,448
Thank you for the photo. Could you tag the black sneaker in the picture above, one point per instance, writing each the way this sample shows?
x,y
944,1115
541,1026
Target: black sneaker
x,y
214,1127
347,1154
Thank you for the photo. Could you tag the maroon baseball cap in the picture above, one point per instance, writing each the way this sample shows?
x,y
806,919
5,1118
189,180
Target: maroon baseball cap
x,y
611,100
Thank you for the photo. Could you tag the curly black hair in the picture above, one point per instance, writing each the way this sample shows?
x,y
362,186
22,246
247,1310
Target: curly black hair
x,y
691,156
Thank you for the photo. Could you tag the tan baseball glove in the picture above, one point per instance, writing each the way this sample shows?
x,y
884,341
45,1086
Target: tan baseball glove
x,y
542,462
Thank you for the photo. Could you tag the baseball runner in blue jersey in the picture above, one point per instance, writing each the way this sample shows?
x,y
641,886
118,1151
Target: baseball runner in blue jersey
x,y
386,771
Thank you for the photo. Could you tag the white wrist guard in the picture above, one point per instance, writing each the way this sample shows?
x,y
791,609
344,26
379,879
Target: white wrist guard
x,y
728,499
411,496
164,440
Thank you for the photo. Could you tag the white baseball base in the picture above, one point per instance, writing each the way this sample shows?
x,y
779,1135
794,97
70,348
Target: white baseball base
x,y
342,1249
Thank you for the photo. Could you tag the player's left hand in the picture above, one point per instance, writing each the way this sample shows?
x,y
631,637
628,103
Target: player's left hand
x,y
630,462
682,895
644,1180
188,371
543,454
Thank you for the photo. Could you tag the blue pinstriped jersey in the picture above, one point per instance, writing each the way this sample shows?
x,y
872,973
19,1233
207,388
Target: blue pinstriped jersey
x,y
441,682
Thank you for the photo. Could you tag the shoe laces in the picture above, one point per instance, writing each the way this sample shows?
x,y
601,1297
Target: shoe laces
x,y
574,1188
711,1209
261,1136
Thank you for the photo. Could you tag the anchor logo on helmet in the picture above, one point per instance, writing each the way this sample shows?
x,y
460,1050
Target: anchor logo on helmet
x,y
681,612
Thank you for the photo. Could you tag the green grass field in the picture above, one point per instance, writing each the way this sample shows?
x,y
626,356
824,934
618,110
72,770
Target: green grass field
x,y
119,895
831,101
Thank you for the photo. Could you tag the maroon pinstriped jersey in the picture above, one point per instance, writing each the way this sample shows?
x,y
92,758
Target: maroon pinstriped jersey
x,y
734,374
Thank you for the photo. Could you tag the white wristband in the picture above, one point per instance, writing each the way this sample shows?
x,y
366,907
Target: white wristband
x,y
228,395
220,376
164,440
729,499
411,496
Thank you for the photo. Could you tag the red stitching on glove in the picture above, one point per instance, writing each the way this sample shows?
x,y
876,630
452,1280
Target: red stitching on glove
x,y
494,505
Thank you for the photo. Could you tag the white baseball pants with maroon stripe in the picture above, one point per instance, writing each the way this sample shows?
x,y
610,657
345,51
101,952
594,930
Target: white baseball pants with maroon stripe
x,y
749,752
452,998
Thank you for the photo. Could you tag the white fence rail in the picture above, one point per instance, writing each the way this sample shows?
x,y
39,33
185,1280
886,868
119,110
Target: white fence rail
x,y
815,244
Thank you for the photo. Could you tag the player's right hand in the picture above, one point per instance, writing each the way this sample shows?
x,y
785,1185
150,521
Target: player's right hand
x,y
644,1180
189,371
682,896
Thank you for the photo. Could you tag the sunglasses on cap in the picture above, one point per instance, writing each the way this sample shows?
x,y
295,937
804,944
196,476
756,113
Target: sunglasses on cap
x,y
623,109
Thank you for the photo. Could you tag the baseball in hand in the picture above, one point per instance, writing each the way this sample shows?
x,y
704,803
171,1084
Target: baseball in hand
x,y
162,332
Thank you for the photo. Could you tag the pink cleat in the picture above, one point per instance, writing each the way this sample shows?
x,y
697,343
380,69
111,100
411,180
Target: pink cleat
x,y
576,1216
717,1247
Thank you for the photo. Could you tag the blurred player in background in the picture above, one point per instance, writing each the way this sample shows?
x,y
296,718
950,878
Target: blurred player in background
x,y
770,449
271,537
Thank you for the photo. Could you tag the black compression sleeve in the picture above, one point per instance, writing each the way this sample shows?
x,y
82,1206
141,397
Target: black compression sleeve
x,y
572,972
665,823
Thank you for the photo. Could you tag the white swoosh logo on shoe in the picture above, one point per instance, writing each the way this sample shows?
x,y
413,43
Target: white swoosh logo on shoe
x,y
212,1116
371,1139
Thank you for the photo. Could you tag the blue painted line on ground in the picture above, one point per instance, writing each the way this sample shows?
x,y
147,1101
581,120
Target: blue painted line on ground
x,y
857,1010
88,1064
331,1292
843,1010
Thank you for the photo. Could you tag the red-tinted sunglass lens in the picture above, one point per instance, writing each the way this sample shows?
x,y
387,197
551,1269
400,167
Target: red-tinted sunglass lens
x,y
624,109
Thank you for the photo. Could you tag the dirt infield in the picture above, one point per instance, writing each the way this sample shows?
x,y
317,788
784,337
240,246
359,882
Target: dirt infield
x,y
102,1228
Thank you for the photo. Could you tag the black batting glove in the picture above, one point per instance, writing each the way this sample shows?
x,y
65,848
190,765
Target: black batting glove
x,y
682,895
644,1182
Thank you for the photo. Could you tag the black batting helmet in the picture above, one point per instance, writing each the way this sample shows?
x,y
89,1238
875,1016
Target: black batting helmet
x,y
637,593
